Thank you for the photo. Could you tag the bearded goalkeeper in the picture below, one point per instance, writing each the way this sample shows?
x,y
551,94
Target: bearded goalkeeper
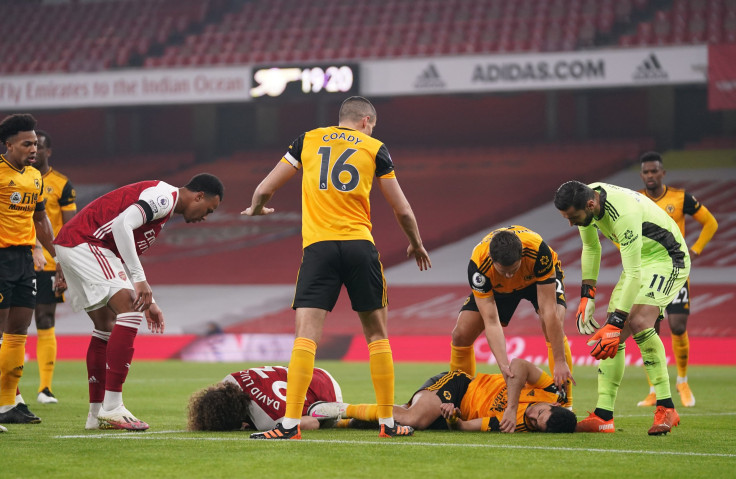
x,y
656,264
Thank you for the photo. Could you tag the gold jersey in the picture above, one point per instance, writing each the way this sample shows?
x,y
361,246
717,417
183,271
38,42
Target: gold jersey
x,y
677,203
21,195
486,398
338,165
60,196
538,263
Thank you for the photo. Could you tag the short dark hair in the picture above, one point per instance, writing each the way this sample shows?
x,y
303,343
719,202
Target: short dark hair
x,y
651,156
573,193
355,108
505,248
14,124
210,185
561,420
45,135
222,407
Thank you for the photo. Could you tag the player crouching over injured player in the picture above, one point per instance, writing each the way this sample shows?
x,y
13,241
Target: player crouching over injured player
x,y
456,400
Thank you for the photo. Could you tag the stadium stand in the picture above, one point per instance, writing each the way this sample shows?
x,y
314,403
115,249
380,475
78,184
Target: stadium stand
x,y
105,34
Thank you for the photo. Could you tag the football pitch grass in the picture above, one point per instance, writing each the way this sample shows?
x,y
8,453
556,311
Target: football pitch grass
x,y
704,445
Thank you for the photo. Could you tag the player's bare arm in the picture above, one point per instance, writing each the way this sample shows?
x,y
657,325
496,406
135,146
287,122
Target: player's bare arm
x,y
552,325
407,221
45,236
494,334
280,174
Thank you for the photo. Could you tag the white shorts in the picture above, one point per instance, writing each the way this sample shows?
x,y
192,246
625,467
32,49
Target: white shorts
x,y
93,275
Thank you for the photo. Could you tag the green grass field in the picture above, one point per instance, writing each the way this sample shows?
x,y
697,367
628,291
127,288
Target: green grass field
x,y
704,445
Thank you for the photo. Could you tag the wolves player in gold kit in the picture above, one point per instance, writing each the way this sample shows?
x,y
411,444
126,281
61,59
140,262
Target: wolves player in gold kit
x,y
677,203
22,220
339,164
60,208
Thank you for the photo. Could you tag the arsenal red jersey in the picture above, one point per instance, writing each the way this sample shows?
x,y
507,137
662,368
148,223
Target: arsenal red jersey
x,y
266,388
155,200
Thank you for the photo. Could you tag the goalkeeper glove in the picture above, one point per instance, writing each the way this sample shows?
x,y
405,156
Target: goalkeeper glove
x,y
585,321
605,342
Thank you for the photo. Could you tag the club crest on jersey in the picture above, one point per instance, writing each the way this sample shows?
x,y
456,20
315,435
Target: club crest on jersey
x,y
670,209
122,276
447,395
37,183
478,280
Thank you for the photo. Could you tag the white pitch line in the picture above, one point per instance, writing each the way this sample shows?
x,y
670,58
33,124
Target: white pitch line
x,y
150,436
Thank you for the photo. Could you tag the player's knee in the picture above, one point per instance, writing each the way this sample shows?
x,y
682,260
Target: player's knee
x,y
44,320
461,337
678,323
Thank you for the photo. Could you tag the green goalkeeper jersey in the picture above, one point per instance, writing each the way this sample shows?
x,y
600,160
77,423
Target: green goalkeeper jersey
x,y
644,232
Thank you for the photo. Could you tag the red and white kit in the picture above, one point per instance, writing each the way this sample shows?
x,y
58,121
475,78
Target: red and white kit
x,y
114,229
266,388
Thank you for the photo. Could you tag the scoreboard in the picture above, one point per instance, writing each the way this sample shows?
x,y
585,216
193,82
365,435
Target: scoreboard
x,y
304,81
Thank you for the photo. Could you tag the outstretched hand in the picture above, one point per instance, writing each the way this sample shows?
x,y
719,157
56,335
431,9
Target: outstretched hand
x,y
155,319
250,211
508,421
420,255
562,375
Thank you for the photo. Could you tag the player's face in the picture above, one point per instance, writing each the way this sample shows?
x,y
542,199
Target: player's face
x,y
578,217
200,207
22,148
652,174
537,415
42,153
507,271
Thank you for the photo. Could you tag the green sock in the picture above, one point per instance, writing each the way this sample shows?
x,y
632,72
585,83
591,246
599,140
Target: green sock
x,y
610,373
655,361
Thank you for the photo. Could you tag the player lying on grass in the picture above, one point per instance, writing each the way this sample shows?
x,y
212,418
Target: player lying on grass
x,y
255,399
456,400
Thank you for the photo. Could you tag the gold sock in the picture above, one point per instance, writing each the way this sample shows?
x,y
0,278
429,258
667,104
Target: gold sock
x,y
301,369
364,412
382,374
12,356
681,350
46,355
463,358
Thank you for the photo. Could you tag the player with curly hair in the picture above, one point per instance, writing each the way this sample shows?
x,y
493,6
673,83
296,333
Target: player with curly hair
x,y
255,399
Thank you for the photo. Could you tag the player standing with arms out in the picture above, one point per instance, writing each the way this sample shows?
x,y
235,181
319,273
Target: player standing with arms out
x,y
117,228
677,203
656,265
339,164
22,220
508,265
60,208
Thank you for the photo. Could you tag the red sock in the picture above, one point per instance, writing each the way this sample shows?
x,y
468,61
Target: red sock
x,y
120,349
96,370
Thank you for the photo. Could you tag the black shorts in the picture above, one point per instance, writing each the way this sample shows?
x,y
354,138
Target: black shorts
x,y
450,388
507,303
681,303
45,284
17,278
327,265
